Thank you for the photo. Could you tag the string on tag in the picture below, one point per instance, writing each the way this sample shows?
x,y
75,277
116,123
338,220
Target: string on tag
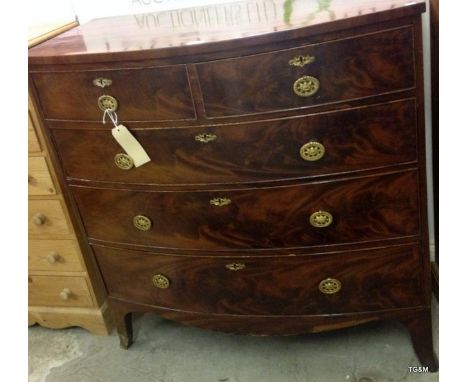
x,y
112,116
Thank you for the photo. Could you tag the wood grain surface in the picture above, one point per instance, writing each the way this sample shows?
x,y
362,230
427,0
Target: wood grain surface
x,y
370,280
349,68
355,139
143,94
363,209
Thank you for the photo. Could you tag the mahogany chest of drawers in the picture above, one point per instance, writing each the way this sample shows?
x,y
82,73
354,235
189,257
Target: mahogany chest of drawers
x,y
286,190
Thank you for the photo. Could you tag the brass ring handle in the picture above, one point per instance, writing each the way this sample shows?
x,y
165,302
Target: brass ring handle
x,y
219,202
65,294
142,222
312,151
330,286
53,257
101,82
107,102
321,219
205,137
235,266
301,61
160,281
123,161
39,219
306,86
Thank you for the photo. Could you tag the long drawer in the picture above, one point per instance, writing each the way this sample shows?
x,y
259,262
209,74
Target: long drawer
x,y
58,291
161,93
347,282
328,143
335,71
322,213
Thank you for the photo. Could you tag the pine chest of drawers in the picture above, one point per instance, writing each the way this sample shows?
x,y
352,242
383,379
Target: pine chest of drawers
x,y
286,190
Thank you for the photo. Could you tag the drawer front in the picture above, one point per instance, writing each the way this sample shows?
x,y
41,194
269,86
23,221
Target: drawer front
x,y
362,209
47,217
142,94
58,291
350,140
289,285
39,179
346,69
33,142
54,255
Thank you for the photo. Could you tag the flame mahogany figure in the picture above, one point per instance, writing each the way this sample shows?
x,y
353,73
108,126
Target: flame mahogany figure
x,y
286,192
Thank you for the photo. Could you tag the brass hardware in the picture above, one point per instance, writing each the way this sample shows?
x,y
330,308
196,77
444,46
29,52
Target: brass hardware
x,y
219,202
205,137
102,82
301,61
306,86
39,219
321,219
123,161
330,286
65,294
161,281
142,222
107,102
312,151
53,257
235,266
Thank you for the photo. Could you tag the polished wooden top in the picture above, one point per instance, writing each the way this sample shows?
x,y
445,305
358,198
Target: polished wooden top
x,y
208,28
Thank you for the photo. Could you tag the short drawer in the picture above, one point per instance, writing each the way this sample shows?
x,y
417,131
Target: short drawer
x,y
39,178
321,213
54,255
328,143
341,70
161,93
47,217
33,142
59,291
347,282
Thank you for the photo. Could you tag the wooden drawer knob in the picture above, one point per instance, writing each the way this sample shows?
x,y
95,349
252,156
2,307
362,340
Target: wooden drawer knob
x,y
65,294
39,219
53,257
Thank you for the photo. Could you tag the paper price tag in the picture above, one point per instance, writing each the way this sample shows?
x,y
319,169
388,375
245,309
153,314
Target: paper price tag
x,y
131,146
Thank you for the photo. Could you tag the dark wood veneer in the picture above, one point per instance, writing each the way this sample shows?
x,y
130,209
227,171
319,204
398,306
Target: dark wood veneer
x,y
369,113
355,140
285,285
350,68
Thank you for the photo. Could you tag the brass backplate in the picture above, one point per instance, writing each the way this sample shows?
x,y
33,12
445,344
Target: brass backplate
x,y
123,161
312,151
161,281
306,86
107,102
142,222
321,219
330,286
